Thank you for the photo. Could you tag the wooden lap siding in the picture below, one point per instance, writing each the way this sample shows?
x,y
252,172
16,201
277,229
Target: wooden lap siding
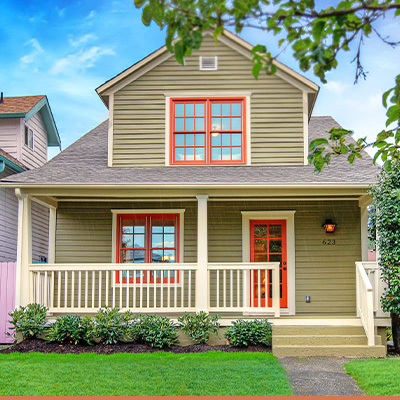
x,y
326,273
276,108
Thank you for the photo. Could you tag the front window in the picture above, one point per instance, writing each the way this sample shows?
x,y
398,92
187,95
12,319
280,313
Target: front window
x,y
148,238
208,131
28,137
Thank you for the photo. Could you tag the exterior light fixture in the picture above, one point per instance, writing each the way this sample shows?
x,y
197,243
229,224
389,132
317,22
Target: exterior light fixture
x,y
329,226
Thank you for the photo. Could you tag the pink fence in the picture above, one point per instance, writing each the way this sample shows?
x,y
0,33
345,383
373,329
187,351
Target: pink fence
x,y
7,298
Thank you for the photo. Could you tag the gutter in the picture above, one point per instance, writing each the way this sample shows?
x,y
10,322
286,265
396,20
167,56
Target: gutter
x,y
5,162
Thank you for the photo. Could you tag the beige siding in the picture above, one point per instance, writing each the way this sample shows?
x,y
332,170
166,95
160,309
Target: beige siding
x,y
276,109
40,231
38,156
10,136
326,273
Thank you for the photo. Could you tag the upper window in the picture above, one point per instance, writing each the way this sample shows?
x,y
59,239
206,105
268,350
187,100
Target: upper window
x,y
208,131
28,137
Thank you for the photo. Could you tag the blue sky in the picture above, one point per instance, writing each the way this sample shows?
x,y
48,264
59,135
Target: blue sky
x,y
65,49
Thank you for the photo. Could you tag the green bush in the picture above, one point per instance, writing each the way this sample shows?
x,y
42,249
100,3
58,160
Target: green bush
x,y
245,333
157,331
30,321
199,326
110,326
71,328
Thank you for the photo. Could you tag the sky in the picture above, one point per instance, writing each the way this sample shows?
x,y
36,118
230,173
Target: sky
x,y
66,48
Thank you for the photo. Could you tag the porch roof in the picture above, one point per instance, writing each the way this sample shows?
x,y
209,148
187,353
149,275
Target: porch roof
x,y
85,163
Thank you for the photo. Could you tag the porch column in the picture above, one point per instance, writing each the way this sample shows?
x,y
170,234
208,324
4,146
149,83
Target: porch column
x,y
202,292
364,233
24,249
52,235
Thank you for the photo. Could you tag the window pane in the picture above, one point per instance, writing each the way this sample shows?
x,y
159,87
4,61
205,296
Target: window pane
x,y
216,124
157,240
138,241
200,139
275,246
127,226
226,139
179,140
260,257
226,153
179,110
127,241
127,256
261,245
216,109
236,124
169,226
190,154
179,154
261,231
200,153
189,110
226,124
236,109
169,256
179,124
157,226
189,124
157,256
199,110
139,225
139,256
216,153
226,109
236,139
236,153
216,140
169,240
199,124
190,139
275,231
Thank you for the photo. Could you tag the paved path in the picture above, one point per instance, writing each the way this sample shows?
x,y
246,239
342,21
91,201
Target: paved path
x,y
320,377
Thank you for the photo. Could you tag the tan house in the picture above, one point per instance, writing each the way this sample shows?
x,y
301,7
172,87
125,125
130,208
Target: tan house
x,y
196,194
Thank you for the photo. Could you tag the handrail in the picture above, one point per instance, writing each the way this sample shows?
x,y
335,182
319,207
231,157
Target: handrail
x,y
244,266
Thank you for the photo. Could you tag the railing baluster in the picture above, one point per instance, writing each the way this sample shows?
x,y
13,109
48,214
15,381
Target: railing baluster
x,y
175,286
66,289
86,288
141,290
107,283
52,290
59,277
238,288
155,288
45,290
169,289
121,281
231,294
182,286
259,287
79,288
128,289
134,288
162,289
93,287
100,288
190,289
73,289
148,276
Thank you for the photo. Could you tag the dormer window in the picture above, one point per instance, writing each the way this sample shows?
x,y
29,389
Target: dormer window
x,y
28,137
208,131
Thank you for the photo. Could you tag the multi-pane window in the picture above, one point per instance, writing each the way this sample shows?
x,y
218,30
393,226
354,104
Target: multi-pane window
x,y
148,238
28,137
208,131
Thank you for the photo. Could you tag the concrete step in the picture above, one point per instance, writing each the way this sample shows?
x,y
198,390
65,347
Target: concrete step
x,y
322,340
298,330
329,351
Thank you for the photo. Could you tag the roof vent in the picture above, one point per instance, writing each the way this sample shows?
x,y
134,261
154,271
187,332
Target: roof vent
x,y
208,63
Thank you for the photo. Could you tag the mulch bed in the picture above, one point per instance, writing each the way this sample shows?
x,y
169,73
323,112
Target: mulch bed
x,y
391,351
40,346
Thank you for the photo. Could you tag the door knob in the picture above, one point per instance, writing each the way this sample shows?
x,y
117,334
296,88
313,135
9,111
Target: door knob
x,y
284,268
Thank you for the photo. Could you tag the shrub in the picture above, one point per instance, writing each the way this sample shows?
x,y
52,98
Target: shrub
x,y
199,326
158,331
110,326
30,321
71,328
245,333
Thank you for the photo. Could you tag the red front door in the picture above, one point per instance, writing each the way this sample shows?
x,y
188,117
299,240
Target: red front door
x,y
268,244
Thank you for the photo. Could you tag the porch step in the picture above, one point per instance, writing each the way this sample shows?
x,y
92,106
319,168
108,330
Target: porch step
x,y
328,341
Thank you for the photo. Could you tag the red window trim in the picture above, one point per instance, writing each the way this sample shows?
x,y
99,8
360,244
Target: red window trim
x,y
208,148
148,248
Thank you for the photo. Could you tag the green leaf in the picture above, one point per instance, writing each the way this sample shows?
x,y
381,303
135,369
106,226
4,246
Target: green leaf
x,y
179,52
147,14
385,96
318,142
256,69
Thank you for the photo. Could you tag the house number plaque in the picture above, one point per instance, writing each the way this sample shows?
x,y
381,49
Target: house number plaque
x,y
329,242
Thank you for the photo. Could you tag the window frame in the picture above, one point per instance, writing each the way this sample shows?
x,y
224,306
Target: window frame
x,y
208,101
28,138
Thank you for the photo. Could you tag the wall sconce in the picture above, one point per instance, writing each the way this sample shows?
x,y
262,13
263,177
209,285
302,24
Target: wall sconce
x,y
329,226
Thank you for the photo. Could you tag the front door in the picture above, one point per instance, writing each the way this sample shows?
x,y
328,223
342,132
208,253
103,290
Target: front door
x,y
268,244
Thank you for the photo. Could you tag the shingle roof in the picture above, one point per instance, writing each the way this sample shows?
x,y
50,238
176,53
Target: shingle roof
x,y
85,162
21,104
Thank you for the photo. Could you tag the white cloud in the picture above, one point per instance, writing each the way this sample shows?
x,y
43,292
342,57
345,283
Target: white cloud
x,y
36,50
83,59
91,14
60,12
336,87
82,40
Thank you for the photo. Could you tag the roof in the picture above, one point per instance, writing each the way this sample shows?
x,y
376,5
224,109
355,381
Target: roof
x,y
150,61
85,163
7,160
26,107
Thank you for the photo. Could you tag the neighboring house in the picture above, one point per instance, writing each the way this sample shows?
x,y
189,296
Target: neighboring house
x,y
196,194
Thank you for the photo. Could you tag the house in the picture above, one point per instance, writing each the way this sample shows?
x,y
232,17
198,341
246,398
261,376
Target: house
x,y
196,194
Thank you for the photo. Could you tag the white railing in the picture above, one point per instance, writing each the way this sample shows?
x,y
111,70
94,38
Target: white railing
x,y
365,302
373,272
87,287
244,287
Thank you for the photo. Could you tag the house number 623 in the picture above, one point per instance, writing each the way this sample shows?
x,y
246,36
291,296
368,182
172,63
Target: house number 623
x,y
329,242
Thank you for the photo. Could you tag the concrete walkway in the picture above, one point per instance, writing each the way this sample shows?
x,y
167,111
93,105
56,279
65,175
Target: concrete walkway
x,y
320,377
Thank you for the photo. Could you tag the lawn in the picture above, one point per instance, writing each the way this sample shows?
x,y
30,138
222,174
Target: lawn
x,y
376,377
154,374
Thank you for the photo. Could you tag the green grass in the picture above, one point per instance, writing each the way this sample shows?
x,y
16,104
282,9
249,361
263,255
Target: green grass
x,y
376,377
162,374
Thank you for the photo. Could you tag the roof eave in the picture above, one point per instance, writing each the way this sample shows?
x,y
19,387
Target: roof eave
x,y
6,162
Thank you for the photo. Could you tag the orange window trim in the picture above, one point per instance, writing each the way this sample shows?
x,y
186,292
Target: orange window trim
x,y
207,116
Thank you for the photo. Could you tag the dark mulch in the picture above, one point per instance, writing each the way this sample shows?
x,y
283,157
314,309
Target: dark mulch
x,y
392,352
40,346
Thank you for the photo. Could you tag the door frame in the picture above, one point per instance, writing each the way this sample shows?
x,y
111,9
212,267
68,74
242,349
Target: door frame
x,y
247,216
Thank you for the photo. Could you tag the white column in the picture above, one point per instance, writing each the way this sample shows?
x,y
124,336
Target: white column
x,y
364,232
24,249
52,235
202,291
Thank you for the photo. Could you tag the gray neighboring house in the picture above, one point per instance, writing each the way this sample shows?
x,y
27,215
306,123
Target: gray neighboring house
x,y
27,129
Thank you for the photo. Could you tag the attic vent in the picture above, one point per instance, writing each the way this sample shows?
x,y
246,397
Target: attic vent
x,y
208,63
